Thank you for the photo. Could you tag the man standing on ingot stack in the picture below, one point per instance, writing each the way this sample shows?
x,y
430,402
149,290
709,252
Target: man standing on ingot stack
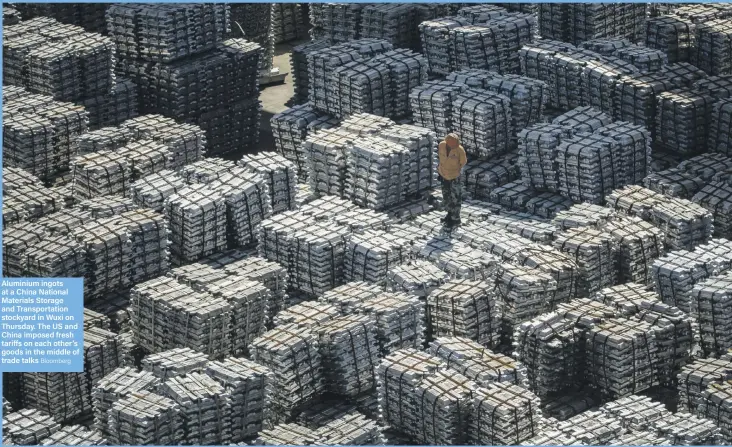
x,y
452,159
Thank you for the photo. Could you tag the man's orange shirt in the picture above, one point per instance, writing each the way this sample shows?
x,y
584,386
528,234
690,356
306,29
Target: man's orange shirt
x,y
451,165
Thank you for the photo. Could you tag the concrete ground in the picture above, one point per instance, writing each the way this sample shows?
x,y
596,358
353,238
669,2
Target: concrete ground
x,y
275,96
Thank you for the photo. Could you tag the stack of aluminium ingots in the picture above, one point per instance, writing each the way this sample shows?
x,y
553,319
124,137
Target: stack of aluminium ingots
x,y
375,171
716,198
64,396
674,182
307,314
348,297
146,157
370,255
636,97
465,308
336,22
31,202
101,207
720,136
162,327
287,22
206,170
407,70
639,244
290,128
349,351
676,274
186,142
476,362
584,215
422,159
254,268
197,219
399,320
327,162
528,96
457,258
300,70
587,22
436,44
671,34
250,307
152,190
685,224
203,408
120,383
483,176
546,205
75,435
674,328
444,396
317,253
247,204
399,375
684,73
605,46
588,171
483,121
56,257
248,385
144,417
712,307
323,63
17,240
682,121
711,50
359,87
695,378
647,60
101,174
396,23
287,434
480,14
492,45
174,363
594,252
504,414
525,293
418,278
591,427
113,108
95,319
621,357
538,145
279,174
366,124
293,356
707,166
549,346
39,134
350,429
682,428
102,354
105,138
432,105
635,147
28,427
567,406
716,406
